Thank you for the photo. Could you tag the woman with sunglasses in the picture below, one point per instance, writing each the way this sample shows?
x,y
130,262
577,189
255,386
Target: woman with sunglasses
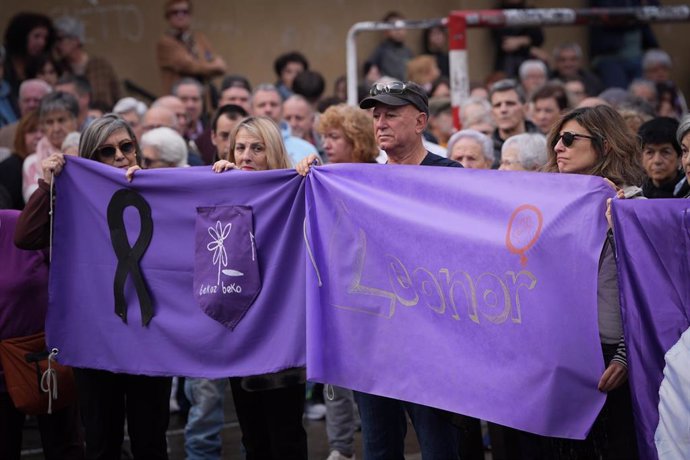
x,y
105,398
597,142
269,407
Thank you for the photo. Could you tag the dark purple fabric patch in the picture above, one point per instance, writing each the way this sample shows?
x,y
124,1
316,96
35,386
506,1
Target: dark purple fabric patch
x,y
226,266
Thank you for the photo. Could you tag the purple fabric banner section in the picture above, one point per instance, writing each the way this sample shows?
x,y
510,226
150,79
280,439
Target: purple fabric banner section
x,y
181,339
472,291
653,246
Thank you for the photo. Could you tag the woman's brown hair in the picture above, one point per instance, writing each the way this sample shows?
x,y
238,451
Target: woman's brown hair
x,y
617,148
28,123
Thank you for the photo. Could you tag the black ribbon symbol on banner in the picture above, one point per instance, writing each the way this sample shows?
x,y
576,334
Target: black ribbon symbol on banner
x,y
128,257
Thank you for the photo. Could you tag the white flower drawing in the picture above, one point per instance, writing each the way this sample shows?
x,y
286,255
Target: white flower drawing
x,y
217,246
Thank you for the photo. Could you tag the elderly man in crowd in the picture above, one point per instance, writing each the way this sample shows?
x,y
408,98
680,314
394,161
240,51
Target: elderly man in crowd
x,y
191,93
132,111
158,117
400,114
186,103
176,106
471,149
266,101
475,113
30,94
533,75
299,114
235,90
523,152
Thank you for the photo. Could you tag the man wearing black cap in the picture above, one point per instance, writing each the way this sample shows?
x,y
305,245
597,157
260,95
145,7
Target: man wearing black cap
x,y
400,116
401,112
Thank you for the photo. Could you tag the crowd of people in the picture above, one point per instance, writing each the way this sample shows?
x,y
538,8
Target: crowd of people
x,y
540,110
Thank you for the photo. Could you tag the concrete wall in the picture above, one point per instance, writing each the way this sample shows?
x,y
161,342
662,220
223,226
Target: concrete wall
x,y
249,35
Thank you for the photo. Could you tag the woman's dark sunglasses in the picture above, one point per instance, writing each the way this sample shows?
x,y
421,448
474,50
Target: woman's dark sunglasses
x,y
109,151
568,138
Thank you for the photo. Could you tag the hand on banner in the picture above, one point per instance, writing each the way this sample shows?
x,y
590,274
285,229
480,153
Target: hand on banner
x,y
130,172
614,376
620,194
223,165
305,164
52,166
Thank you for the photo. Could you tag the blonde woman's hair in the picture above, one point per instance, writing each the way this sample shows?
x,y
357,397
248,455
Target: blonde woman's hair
x,y
268,132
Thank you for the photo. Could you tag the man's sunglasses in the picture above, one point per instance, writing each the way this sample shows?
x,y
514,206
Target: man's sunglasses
x,y
109,151
394,87
568,138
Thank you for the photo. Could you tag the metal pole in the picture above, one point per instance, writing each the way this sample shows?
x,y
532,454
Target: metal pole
x,y
351,45
459,71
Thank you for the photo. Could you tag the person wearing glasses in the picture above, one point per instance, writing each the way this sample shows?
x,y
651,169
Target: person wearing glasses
x,y
596,141
106,398
185,53
400,113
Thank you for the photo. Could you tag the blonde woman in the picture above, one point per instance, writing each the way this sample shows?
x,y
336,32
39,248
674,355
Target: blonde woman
x,y
269,407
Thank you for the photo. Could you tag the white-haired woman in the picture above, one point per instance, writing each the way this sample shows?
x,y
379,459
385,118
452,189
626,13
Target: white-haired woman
x,y
471,149
523,152
163,148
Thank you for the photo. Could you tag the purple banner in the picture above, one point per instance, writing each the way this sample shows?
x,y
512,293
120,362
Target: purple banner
x,y
653,246
258,331
460,289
